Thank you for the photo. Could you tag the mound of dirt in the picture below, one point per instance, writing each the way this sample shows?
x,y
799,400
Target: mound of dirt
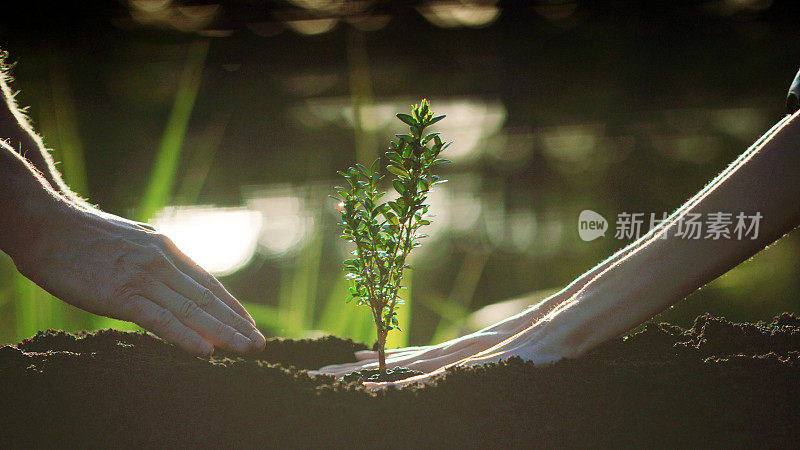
x,y
715,384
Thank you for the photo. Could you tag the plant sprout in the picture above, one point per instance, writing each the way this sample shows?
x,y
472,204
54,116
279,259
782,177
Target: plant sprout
x,y
385,233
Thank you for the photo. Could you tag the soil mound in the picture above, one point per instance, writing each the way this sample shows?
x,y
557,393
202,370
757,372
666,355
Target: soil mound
x,y
717,383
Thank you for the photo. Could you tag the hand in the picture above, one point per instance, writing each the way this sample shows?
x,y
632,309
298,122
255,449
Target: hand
x,y
424,359
114,267
540,343
433,357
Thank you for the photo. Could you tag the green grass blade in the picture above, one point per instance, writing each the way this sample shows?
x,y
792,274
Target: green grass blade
x,y
69,150
162,177
200,162
267,318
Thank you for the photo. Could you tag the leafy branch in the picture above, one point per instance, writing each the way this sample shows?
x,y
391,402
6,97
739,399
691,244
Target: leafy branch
x,y
385,233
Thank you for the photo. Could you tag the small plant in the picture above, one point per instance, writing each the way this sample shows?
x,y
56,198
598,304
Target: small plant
x,y
385,233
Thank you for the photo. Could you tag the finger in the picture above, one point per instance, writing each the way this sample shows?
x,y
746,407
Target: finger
x,y
194,317
163,323
205,299
394,356
366,354
372,354
431,364
393,351
191,268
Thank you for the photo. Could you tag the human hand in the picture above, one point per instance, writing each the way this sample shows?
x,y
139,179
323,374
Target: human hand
x,y
423,359
433,357
114,267
540,343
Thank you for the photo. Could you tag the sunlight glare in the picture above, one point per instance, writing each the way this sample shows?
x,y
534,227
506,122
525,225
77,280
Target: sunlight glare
x,y
221,240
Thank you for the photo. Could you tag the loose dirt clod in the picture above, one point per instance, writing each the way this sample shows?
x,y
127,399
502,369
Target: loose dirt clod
x,y
715,384
398,373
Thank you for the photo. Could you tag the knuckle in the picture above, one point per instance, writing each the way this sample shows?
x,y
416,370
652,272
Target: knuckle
x,y
225,333
188,309
153,259
206,297
131,310
163,319
209,280
222,330
161,240
134,283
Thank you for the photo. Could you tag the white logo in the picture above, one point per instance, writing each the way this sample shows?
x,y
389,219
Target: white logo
x,y
591,225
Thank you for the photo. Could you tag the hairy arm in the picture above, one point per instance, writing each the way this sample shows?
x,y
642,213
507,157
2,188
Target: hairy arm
x,y
26,198
102,263
17,131
656,273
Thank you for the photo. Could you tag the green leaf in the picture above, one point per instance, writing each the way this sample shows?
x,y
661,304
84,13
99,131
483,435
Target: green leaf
x,y
427,138
423,184
396,208
407,138
408,119
435,119
399,187
373,169
391,217
398,171
394,157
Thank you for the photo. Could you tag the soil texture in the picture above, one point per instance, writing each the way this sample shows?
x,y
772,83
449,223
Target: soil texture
x,y
715,384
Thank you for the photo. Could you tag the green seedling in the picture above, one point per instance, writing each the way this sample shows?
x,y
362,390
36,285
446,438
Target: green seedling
x,y
384,233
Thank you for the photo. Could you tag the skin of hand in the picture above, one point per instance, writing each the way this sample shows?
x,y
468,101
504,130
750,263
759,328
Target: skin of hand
x,y
118,269
659,269
432,357
103,263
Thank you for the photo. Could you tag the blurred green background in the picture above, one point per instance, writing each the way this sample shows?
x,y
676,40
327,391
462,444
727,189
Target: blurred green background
x,y
223,123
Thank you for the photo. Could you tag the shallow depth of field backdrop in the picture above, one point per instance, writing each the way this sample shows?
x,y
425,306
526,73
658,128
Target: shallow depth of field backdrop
x,y
223,123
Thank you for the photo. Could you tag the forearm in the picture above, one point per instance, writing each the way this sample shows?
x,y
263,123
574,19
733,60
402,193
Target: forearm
x,y
17,131
27,202
657,273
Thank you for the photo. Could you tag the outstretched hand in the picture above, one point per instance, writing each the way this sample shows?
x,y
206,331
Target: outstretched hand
x,y
491,344
423,359
114,267
534,344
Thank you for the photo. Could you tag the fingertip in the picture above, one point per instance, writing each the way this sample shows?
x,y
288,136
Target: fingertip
x,y
241,343
258,340
203,349
365,354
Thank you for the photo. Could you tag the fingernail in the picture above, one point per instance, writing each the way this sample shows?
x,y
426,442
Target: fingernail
x,y
241,342
258,339
206,350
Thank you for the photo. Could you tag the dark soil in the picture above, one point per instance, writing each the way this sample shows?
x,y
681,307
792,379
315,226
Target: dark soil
x,y
716,384
398,373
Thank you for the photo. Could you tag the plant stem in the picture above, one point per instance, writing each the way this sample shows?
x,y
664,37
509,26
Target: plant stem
x,y
382,351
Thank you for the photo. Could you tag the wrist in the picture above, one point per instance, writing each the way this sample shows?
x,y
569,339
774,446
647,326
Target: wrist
x,y
627,294
33,229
